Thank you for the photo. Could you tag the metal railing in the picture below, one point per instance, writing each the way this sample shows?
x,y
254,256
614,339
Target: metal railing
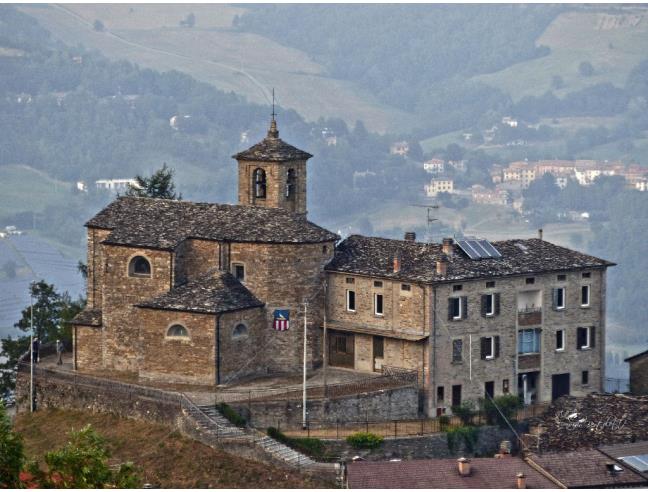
x,y
386,381
399,427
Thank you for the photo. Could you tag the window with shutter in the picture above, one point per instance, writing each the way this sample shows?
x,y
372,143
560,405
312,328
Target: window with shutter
x,y
497,304
592,340
497,346
457,349
464,308
455,310
582,338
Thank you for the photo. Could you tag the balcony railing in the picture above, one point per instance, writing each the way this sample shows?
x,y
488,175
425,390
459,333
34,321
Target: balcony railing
x,y
530,316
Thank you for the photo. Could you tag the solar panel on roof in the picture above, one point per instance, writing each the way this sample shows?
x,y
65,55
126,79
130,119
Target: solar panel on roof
x,y
478,249
466,248
492,250
639,462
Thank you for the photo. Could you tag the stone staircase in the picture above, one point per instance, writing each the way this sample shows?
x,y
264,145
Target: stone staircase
x,y
211,422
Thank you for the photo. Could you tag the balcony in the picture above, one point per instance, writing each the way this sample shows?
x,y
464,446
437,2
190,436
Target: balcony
x,y
528,361
530,316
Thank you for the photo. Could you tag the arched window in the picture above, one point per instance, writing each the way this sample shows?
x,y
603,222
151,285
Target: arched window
x,y
177,331
139,267
240,331
291,183
259,183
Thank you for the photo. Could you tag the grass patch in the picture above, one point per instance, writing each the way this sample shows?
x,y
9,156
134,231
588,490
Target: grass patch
x,y
310,446
365,440
230,414
164,457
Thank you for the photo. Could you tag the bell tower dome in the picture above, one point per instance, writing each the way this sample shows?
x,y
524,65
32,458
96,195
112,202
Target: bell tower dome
x,y
272,174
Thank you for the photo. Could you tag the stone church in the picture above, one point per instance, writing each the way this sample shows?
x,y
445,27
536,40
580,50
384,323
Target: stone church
x,y
208,293
201,292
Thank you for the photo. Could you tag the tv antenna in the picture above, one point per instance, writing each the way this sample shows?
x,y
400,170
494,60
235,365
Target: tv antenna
x,y
430,218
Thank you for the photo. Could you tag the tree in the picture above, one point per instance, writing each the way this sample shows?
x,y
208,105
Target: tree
x,y
159,185
12,453
52,315
98,26
586,69
83,463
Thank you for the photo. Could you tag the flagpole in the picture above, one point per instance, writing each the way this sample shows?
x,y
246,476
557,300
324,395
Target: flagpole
x,y
304,381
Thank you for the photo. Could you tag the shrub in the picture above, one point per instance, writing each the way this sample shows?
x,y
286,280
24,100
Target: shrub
x,y
468,435
12,456
308,445
508,405
444,423
366,440
465,412
230,414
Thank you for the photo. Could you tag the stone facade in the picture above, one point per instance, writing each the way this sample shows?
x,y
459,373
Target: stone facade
x,y
412,312
639,373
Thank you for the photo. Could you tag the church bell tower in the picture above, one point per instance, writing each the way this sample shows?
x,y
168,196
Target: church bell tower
x,y
272,174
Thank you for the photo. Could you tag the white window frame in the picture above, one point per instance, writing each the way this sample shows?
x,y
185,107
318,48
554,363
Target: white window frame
x,y
564,298
492,349
588,337
348,297
376,312
492,299
561,348
589,295
458,316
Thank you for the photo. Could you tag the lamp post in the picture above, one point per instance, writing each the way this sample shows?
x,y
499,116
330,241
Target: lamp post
x,y
304,376
31,350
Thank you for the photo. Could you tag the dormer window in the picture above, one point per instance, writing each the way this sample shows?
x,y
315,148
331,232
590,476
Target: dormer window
x,y
259,183
139,267
238,270
291,183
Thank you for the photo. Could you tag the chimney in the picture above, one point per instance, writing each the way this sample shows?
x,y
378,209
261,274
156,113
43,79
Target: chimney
x,y
397,263
463,465
521,481
410,236
540,234
447,245
442,266
505,447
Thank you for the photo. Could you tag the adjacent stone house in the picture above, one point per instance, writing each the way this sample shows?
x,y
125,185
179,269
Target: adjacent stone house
x,y
530,321
207,293
638,373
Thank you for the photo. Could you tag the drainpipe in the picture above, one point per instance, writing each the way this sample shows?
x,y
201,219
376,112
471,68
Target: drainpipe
x,y
218,357
433,368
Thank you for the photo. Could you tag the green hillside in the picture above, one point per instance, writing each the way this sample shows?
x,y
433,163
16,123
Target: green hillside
x,y
613,42
24,189
211,51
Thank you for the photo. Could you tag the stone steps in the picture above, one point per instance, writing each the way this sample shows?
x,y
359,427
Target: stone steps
x,y
211,420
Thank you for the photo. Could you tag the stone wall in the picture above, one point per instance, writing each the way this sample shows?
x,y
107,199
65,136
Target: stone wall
x,y
69,391
400,403
193,359
424,447
282,276
639,375
193,257
473,371
87,342
276,174
121,347
94,282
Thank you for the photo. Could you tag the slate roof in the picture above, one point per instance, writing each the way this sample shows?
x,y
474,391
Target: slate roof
x,y
162,224
272,149
214,292
486,473
636,356
88,317
373,256
586,468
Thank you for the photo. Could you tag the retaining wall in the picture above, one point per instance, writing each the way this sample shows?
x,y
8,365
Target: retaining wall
x,y
424,447
389,404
